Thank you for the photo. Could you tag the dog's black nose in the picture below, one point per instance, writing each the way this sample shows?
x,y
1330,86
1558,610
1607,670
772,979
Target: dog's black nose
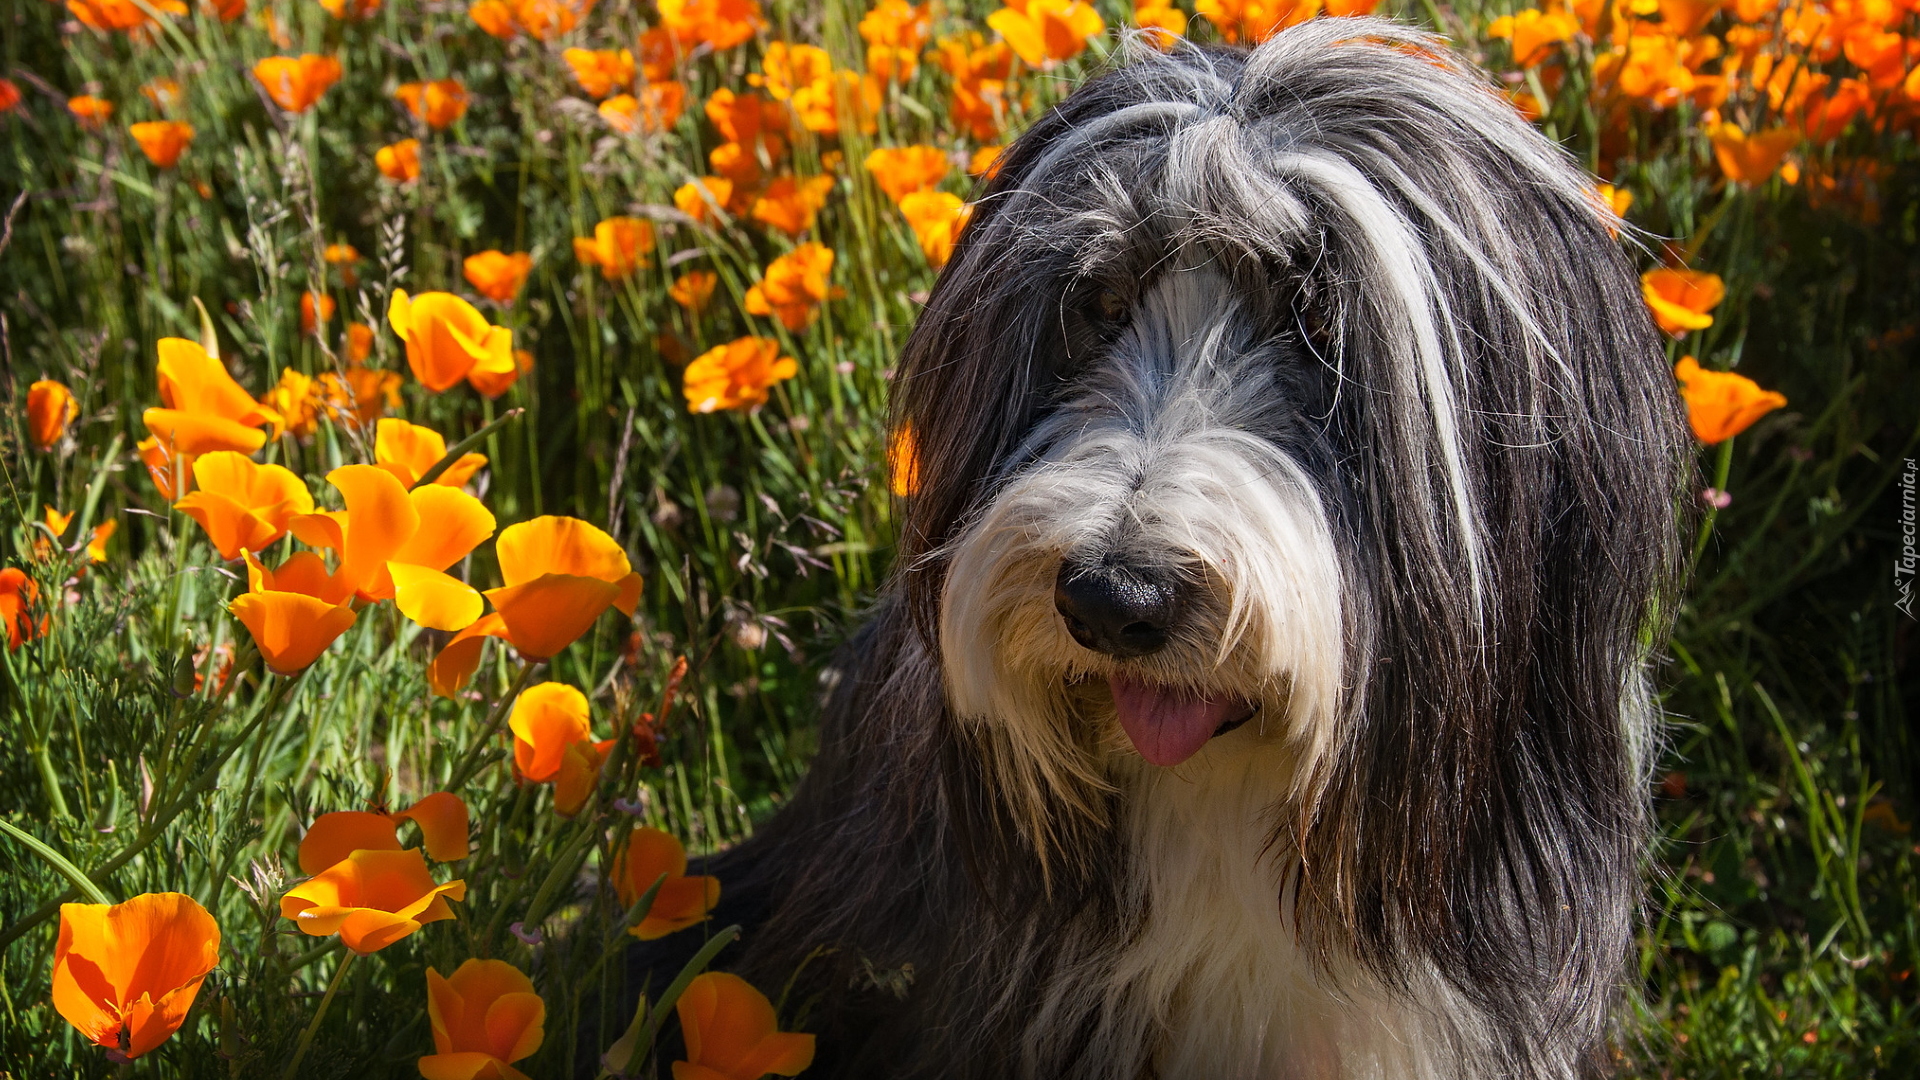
x,y
1116,610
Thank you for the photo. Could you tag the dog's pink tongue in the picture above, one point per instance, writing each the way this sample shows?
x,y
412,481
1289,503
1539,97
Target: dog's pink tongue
x,y
1166,727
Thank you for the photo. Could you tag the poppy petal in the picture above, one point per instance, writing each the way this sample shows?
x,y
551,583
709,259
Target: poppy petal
x,y
450,670
333,837
291,630
444,822
545,615
435,600
452,524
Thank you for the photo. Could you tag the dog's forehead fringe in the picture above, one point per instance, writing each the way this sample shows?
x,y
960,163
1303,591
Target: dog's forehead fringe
x,y
1193,147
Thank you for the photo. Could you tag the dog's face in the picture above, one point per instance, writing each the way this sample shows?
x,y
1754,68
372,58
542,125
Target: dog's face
x,y
1298,408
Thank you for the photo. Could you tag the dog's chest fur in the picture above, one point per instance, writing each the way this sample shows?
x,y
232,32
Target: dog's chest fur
x,y
1214,979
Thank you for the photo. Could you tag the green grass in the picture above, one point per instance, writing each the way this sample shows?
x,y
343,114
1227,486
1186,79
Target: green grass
x,y
1780,935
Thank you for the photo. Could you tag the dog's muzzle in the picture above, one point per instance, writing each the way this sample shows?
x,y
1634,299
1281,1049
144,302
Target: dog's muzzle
x,y
1116,610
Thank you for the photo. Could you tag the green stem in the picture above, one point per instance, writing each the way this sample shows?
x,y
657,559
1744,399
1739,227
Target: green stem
x,y
1723,464
58,862
461,448
306,1037
50,780
471,759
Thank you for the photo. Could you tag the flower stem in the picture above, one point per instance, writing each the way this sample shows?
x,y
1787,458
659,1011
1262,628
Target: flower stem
x,y
306,1037
470,760
1723,464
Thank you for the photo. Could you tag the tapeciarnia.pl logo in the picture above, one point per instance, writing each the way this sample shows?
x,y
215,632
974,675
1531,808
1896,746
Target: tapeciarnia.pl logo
x,y
1909,558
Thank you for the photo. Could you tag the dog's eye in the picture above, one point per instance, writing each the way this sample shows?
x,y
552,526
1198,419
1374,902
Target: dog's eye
x,y
1110,306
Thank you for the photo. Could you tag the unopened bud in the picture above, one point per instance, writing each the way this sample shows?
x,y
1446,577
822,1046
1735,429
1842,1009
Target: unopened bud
x,y
184,675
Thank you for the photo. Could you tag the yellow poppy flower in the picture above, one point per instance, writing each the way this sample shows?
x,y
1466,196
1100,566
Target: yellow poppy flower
x,y
243,505
446,337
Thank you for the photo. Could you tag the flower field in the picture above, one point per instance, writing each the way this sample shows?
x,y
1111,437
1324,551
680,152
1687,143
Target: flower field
x,y
443,444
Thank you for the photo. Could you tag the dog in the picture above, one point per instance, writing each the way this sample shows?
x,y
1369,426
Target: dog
x,y
1264,686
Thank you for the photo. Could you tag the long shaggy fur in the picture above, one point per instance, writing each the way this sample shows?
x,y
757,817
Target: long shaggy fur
x,y
1327,334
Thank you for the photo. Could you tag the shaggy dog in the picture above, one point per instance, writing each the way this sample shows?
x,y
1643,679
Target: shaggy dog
x,y
1262,689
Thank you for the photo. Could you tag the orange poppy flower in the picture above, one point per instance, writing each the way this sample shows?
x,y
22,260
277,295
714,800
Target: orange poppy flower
x,y
495,17
694,288
443,819
50,408
494,376
125,975
903,462
409,450
439,103
202,408
315,308
121,14
1533,34
9,95
296,82
1750,159
17,594
359,343
900,171
1163,23
351,9
897,24
790,205
446,337
168,468
484,1018
1616,199
937,218
399,162
561,573
398,543
163,141
979,70
794,287
1721,404
553,743
341,254
660,105
226,10
549,19
618,246
736,375
371,899
1680,299
243,505
621,112
97,543
702,199
1253,21
1685,18
297,400
733,1034
721,24
600,71
292,612
90,111
681,902
498,275
449,671
1041,31
752,126
165,93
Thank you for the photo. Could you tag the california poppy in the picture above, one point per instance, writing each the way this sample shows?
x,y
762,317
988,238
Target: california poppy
x,y
736,375
484,1017
292,612
1250,22
439,102
495,375
495,17
902,170
445,336
600,71
553,743
163,141
1722,404
1750,159
1680,299
296,398
170,470
790,204
126,974
936,218
351,9
561,573
9,95
693,289
316,309
700,198
732,1033
97,543
90,111
681,902
409,450
17,594
295,83
1047,30
202,408
1162,22
498,275
545,20
794,286
124,15
243,505
371,899
721,24
50,408
399,162
1533,33
442,816
618,246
